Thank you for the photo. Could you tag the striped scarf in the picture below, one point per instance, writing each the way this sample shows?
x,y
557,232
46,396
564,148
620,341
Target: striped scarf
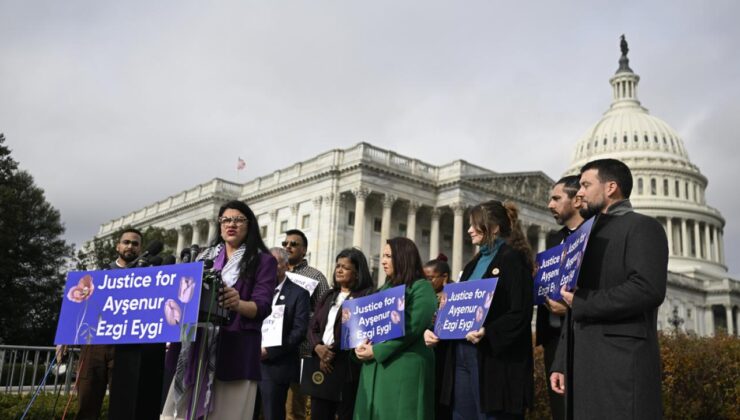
x,y
196,364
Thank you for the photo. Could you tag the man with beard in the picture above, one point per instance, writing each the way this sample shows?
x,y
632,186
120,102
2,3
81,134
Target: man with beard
x,y
564,205
296,244
613,370
96,361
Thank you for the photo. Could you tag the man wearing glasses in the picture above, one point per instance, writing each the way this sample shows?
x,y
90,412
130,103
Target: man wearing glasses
x,y
96,361
296,244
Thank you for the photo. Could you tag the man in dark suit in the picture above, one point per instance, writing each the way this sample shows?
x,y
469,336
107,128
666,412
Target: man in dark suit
x,y
564,205
281,364
614,370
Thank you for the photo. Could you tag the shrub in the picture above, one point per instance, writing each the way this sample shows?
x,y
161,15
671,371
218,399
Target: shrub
x,y
46,406
701,376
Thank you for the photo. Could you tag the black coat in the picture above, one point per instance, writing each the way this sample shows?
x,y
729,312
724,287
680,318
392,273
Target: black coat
x,y
505,353
615,360
282,364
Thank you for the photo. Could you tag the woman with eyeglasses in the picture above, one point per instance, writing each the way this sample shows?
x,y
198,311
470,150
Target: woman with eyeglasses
x,y
228,369
397,377
489,374
352,279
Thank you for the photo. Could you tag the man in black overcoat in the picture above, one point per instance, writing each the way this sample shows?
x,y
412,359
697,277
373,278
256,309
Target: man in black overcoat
x,y
613,369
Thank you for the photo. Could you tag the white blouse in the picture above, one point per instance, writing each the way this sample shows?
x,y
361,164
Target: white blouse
x,y
328,336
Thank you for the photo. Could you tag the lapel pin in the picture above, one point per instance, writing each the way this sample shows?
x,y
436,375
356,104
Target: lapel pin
x,y
495,271
282,297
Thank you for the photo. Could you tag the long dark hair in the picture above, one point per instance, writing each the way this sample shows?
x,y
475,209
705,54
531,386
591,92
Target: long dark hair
x,y
487,215
358,260
253,241
406,261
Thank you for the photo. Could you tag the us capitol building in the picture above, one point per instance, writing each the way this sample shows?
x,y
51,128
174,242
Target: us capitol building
x,y
362,195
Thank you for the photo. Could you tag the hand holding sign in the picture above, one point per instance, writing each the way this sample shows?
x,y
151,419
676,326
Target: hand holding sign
x,y
463,308
375,318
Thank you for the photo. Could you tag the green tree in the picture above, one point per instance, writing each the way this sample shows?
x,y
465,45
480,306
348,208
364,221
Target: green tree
x,y
32,257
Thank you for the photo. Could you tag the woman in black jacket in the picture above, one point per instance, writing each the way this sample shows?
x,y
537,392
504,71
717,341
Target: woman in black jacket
x,y
352,279
489,374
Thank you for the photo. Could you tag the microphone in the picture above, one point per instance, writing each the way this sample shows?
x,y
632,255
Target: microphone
x,y
153,249
194,251
155,261
185,255
207,264
168,260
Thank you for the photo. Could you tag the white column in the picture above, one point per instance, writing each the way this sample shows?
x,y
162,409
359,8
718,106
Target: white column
x,y
411,221
541,239
385,230
313,245
294,216
708,320
669,233
737,322
728,311
697,239
458,210
707,243
331,224
684,239
360,197
180,241
272,228
434,235
196,233
213,231
721,244
715,245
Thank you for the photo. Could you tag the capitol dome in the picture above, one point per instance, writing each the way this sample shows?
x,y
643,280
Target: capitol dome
x,y
667,185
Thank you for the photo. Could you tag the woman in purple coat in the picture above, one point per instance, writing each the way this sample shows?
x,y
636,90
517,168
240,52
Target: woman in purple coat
x,y
225,369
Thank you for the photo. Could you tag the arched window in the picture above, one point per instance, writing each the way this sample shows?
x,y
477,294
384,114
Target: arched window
x,y
639,186
665,187
653,187
677,190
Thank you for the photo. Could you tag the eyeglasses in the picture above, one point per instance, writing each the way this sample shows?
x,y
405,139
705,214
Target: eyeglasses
x,y
235,220
128,242
292,244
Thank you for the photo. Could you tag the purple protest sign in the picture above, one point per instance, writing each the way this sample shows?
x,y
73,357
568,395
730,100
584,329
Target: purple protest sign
x,y
463,307
378,317
547,280
137,305
574,247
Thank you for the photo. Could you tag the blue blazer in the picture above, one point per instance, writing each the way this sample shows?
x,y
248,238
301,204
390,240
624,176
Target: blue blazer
x,y
282,364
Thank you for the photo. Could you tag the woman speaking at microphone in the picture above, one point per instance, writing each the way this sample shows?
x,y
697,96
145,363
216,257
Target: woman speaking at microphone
x,y
227,371
397,376
489,374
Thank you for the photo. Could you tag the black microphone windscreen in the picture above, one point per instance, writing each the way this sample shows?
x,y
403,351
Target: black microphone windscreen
x,y
154,248
207,264
169,260
155,260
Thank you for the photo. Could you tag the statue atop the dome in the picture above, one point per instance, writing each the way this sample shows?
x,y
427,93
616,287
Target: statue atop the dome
x,y
623,46
624,62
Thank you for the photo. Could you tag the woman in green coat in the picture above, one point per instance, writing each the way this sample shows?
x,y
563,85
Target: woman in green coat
x,y
397,377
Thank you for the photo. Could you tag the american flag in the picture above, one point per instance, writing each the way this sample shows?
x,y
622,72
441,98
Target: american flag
x,y
240,164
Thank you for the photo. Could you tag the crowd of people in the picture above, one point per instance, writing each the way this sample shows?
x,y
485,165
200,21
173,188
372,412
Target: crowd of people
x,y
600,343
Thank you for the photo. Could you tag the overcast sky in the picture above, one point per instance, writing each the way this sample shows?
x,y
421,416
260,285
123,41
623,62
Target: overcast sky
x,y
115,105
